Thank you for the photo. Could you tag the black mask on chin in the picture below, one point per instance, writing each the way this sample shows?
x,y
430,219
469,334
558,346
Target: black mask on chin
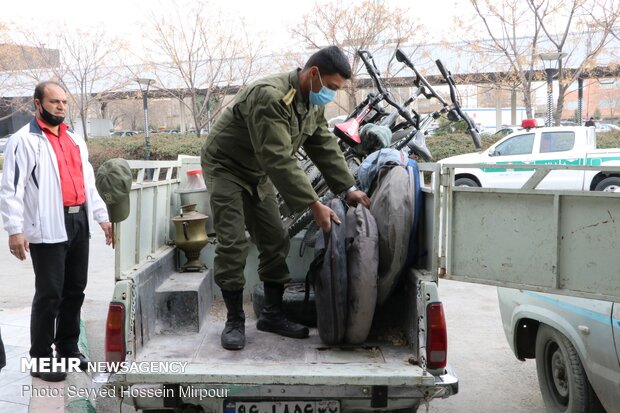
x,y
51,119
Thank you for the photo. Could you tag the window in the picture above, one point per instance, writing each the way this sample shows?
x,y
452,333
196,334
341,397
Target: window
x,y
607,83
557,141
517,145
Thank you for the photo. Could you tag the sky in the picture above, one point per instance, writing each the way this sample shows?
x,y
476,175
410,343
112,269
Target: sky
x,y
127,18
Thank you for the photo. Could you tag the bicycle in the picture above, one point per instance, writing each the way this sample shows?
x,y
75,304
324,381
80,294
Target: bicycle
x,y
408,132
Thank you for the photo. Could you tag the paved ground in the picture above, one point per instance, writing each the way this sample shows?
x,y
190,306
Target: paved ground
x,y
491,379
17,278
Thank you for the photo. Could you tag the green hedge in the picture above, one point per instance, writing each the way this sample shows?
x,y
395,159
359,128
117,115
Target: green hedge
x,y
452,144
163,147
168,147
608,140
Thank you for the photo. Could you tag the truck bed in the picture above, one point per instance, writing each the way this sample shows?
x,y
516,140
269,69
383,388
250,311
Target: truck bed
x,y
179,317
191,333
267,357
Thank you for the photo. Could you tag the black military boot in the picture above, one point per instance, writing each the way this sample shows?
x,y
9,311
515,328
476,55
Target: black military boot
x,y
273,320
233,336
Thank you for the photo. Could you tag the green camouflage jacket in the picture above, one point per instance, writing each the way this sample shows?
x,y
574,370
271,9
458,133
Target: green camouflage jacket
x,y
255,139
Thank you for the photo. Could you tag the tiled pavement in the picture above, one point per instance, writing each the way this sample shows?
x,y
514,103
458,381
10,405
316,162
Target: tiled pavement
x,y
18,390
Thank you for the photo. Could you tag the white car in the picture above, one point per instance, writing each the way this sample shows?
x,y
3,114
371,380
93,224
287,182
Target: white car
x,y
124,133
560,145
607,127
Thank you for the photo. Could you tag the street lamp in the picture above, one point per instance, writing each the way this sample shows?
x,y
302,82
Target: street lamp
x,y
145,84
580,100
553,61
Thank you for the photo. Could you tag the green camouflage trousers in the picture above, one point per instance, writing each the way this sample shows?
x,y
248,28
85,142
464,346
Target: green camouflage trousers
x,y
234,209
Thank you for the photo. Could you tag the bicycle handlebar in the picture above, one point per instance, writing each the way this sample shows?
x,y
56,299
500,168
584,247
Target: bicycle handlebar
x,y
456,106
372,70
402,58
374,73
419,144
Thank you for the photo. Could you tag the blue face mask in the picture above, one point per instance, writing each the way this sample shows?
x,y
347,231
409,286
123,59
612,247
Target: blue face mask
x,y
323,96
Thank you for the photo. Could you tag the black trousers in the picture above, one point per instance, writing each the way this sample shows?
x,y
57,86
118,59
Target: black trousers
x,y
61,271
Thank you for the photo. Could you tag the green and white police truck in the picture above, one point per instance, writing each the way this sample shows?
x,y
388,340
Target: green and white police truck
x,y
561,146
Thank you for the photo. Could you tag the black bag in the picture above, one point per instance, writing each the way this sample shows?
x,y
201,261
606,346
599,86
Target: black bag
x,y
328,273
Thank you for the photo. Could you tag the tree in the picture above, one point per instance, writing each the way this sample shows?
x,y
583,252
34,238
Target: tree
x,y
207,58
509,52
13,59
127,112
85,62
368,25
579,29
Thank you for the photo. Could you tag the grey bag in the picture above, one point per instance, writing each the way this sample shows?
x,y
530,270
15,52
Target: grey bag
x,y
362,267
328,273
392,206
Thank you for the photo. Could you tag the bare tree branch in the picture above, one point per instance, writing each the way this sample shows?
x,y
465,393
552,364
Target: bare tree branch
x,y
579,29
505,24
367,25
84,64
208,58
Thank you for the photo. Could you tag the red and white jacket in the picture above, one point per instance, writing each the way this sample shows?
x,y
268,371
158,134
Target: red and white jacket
x,y
30,194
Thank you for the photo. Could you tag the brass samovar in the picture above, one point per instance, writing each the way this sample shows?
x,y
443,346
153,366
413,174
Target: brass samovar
x,y
191,236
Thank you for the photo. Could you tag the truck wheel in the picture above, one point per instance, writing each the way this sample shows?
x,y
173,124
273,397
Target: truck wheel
x,y
466,182
563,382
609,184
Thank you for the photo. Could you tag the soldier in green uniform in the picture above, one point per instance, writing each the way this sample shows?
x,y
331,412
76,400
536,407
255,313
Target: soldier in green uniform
x,y
250,149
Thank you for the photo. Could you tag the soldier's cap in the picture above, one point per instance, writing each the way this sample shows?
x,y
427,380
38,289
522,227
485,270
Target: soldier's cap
x,y
113,181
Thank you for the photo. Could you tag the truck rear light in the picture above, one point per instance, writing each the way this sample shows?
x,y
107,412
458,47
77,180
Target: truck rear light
x,y
437,337
115,333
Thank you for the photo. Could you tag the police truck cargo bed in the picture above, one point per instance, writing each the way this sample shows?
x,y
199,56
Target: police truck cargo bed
x,y
386,360
160,314
268,359
523,238
385,372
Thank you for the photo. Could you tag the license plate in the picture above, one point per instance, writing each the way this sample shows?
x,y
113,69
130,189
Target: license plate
x,y
315,406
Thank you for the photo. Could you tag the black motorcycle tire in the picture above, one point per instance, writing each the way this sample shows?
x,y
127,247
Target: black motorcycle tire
x,y
294,305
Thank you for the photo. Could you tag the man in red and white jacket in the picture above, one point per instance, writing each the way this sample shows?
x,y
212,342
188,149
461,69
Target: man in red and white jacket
x,y
48,200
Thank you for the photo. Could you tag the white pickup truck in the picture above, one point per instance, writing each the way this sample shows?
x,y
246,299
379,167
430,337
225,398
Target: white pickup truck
x,y
576,344
575,340
472,234
160,315
563,145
